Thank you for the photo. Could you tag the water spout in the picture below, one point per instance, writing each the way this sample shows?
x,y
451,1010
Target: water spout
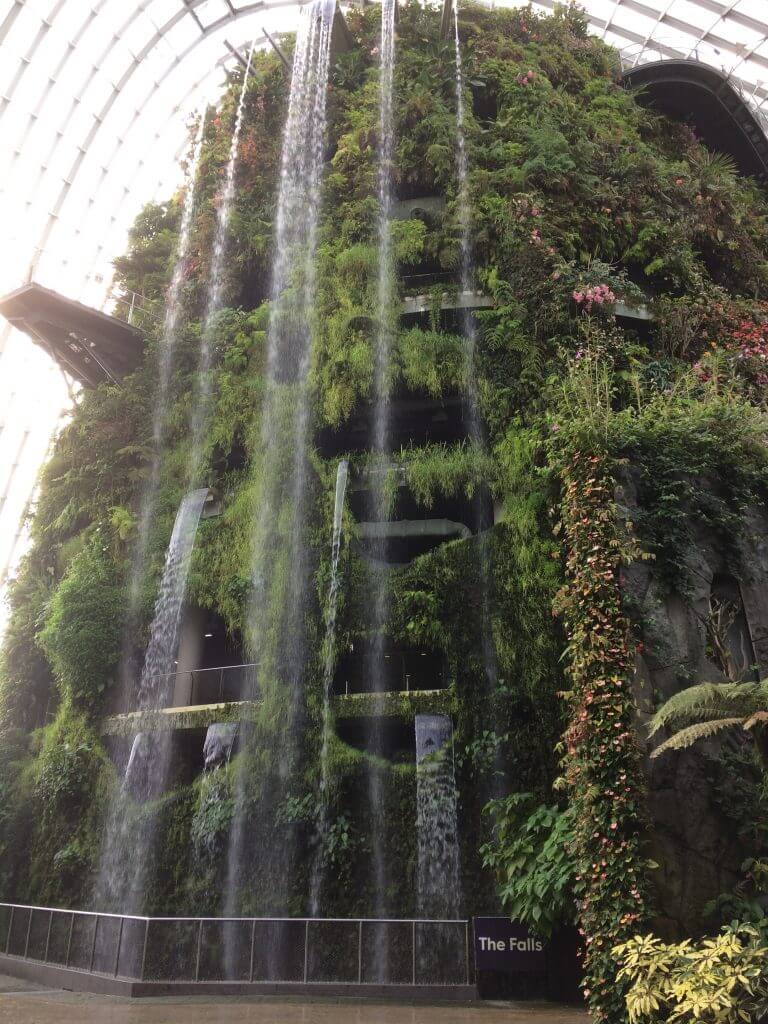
x,y
219,743
439,887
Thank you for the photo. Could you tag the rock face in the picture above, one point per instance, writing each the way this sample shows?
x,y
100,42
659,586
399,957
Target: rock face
x,y
696,842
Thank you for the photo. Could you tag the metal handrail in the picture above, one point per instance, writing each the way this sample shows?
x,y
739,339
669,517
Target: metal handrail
x,y
179,920
115,952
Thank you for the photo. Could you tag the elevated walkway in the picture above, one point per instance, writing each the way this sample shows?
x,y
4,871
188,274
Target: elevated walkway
x,y
403,704
704,97
89,345
414,304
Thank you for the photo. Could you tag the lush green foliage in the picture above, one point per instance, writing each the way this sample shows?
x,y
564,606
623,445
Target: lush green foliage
x,y
579,196
530,854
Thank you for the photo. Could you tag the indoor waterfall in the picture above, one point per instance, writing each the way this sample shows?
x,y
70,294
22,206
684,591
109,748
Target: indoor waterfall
x,y
380,510
149,762
329,664
275,632
439,886
202,395
167,347
125,852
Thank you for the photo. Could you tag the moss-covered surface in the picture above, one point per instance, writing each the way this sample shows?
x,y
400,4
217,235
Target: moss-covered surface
x,y
579,196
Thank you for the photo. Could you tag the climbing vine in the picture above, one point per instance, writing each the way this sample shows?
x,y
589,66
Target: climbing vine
x,y
602,760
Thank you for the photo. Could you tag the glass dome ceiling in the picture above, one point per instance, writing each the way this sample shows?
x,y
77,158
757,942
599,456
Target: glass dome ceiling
x,y
94,102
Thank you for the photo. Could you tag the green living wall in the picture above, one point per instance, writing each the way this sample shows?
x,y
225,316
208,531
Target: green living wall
x,y
580,196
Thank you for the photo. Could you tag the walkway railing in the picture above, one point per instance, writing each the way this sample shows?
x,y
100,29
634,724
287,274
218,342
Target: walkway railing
x,y
357,951
222,684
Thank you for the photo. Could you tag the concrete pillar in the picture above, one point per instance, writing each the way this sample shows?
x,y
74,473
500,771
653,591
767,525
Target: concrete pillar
x,y
190,653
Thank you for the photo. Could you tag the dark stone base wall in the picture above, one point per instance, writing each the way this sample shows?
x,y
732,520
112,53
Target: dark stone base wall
x,y
695,842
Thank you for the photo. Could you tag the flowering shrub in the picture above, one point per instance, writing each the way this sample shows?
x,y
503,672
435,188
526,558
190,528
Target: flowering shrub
x,y
597,295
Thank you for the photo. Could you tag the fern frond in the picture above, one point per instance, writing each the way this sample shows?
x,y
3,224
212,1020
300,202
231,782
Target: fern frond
x,y
702,730
759,718
696,702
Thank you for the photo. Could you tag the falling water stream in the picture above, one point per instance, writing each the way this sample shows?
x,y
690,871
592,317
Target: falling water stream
x,y
329,664
380,584
202,396
167,349
122,873
438,843
280,545
125,857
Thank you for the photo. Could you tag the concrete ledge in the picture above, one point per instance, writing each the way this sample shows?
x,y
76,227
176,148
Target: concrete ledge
x,y
53,976
195,716
448,300
404,704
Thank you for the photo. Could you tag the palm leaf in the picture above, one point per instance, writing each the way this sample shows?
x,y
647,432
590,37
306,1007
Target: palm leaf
x,y
711,701
700,731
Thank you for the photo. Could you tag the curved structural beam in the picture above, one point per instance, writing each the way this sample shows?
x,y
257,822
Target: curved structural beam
x,y
703,97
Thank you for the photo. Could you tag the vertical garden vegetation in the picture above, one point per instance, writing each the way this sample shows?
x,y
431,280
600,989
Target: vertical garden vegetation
x,y
580,197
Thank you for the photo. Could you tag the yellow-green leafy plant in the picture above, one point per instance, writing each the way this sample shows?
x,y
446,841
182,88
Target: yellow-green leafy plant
x,y
719,980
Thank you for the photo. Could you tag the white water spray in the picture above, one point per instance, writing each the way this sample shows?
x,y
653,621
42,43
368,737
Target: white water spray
x,y
380,582
167,348
202,398
125,854
329,664
284,468
439,889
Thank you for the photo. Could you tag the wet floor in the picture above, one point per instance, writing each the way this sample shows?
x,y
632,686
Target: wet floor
x,y
26,1004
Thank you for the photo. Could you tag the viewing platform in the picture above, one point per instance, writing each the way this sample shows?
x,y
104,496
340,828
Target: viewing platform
x,y
90,346
403,704
415,304
710,101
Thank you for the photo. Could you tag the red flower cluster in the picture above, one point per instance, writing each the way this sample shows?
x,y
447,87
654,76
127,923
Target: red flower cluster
x,y
525,79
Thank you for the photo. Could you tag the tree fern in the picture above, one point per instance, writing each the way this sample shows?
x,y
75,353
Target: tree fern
x,y
709,701
701,731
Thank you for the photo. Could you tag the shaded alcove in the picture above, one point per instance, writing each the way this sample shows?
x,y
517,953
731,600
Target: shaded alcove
x,y
702,96
211,666
403,668
415,420
390,738
411,529
729,637
184,754
485,102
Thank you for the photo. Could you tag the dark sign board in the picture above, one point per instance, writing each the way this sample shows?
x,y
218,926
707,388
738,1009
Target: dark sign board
x,y
504,945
